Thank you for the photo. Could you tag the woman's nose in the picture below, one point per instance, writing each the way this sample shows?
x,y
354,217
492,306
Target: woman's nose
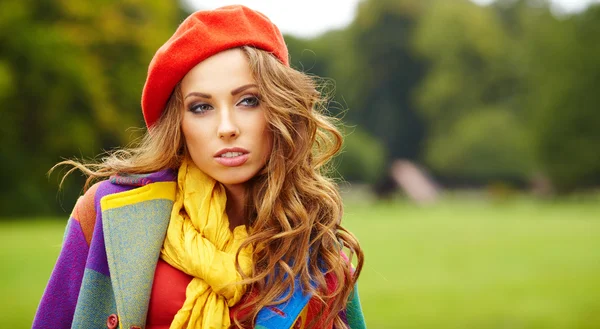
x,y
228,127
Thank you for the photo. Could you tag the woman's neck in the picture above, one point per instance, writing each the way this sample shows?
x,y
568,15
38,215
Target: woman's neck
x,y
236,205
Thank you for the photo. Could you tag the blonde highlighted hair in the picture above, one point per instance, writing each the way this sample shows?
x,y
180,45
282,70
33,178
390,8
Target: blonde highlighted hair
x,y
294,209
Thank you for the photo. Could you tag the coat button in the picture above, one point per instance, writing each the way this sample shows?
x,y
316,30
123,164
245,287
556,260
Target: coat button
x,y
112,321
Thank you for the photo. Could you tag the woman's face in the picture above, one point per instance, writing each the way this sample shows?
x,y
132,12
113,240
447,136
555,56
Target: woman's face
x,y
224,124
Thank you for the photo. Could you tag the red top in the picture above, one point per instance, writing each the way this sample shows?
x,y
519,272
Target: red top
x,y
168,295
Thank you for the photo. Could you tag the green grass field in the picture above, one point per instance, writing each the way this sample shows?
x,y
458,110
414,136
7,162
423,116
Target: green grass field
x,y
458,264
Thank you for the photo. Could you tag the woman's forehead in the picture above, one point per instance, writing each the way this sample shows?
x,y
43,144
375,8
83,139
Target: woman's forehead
x,y
227,69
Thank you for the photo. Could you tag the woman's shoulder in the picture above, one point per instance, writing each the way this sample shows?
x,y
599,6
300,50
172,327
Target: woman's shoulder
x,y
87,205
121,182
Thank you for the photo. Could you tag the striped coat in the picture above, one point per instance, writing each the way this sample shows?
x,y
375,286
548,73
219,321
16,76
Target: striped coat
x,y
110,249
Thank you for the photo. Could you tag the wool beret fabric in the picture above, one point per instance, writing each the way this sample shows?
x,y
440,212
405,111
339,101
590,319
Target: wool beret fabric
x,y
199,36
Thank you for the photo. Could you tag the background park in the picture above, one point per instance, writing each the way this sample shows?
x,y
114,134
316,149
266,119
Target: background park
x,y
496,107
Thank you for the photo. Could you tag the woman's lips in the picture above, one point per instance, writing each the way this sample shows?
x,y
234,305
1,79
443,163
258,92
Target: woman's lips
x,y
232,159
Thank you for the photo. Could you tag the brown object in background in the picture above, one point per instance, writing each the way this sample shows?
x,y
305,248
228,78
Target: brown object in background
x,y
414,182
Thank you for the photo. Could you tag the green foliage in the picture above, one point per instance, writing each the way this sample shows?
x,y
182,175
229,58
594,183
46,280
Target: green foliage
x,y
388,71
374,70
487,93
510,91
470,94
363,158
71,76
489,143
563,99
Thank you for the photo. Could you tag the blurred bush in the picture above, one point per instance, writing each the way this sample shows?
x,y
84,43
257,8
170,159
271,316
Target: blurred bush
x,y
71,75
562,98
504,92
363,158
469,95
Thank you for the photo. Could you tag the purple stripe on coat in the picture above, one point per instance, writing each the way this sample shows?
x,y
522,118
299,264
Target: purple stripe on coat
x,y
97,260
167,175
60,297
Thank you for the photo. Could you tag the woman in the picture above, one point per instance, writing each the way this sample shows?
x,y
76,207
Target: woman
x,y
221,216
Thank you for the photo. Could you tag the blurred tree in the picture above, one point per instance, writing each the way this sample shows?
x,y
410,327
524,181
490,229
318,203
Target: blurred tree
x,y
385,72
470,96
375,70
363,158
331,58
71,75
562,96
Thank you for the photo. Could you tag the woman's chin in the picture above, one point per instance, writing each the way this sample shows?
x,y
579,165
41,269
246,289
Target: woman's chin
x,y
233,180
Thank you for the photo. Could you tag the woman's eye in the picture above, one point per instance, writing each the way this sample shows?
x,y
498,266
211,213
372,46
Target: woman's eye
x,y
250,101
200,108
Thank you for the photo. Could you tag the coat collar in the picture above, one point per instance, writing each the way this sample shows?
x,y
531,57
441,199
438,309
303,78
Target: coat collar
x,y
167,175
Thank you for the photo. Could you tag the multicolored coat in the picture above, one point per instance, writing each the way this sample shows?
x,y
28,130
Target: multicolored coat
x,y
110,250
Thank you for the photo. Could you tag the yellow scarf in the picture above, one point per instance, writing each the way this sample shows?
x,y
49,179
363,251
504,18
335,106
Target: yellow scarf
x,y
200,243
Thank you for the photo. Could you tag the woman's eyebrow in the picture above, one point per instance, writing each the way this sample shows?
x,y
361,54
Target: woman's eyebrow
x,y
233,92
195,93
242,88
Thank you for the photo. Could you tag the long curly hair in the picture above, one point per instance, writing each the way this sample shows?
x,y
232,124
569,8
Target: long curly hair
x,y
294,209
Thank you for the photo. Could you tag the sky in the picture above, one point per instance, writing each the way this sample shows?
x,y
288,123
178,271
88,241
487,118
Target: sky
x,y
304,21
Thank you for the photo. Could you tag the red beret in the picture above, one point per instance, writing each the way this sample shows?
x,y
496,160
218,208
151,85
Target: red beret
x,y
201,35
